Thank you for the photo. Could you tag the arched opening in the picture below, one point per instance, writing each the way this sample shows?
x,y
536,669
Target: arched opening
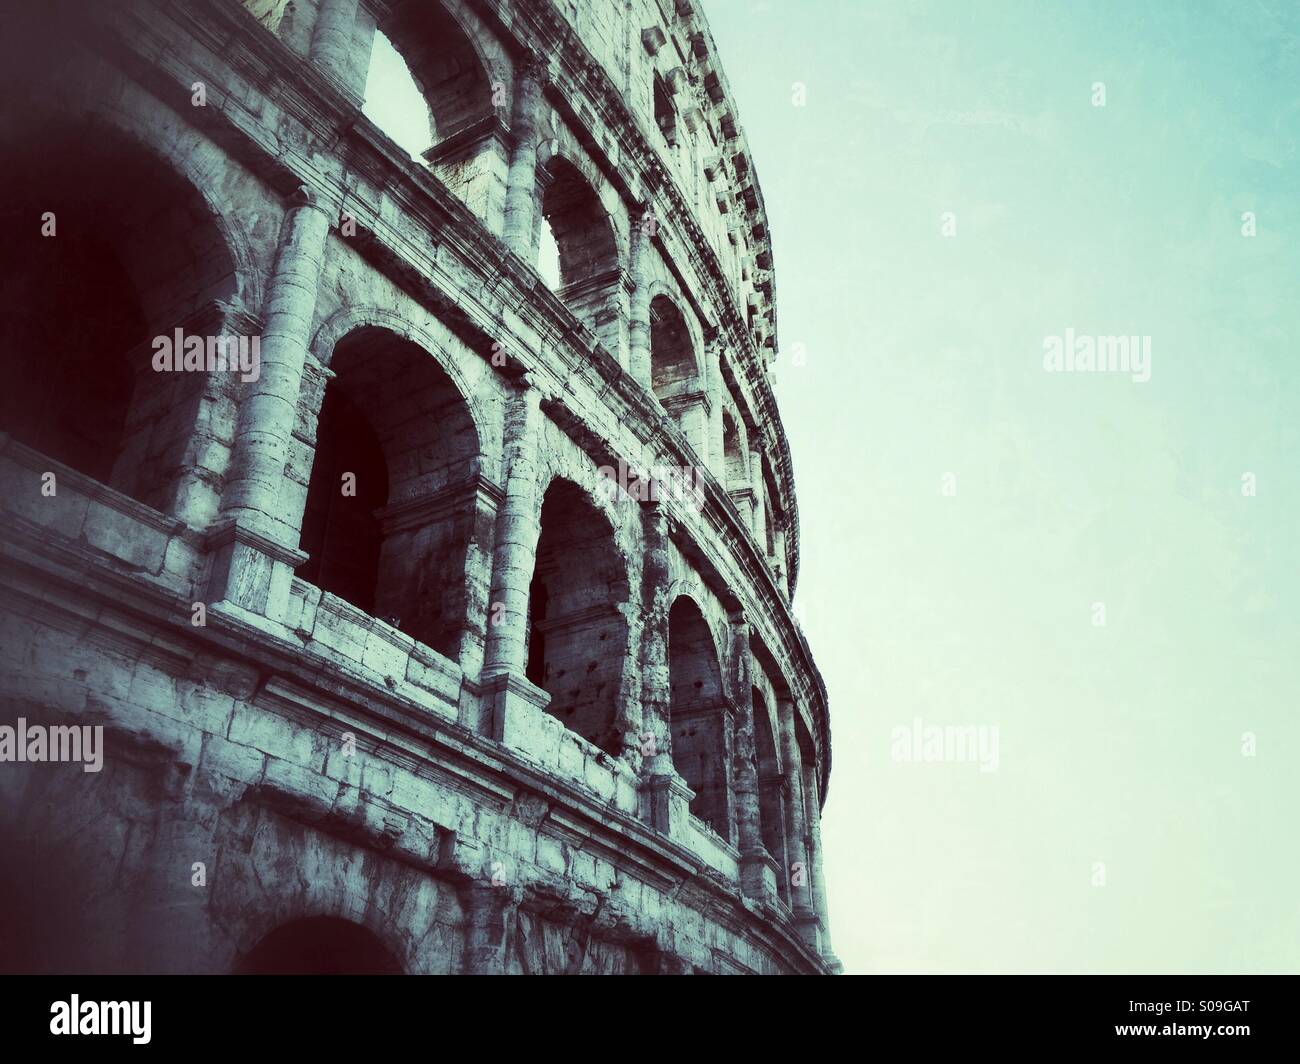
x,y
391,502
320,945
698,718
107,248
771,806
587,253
576,635
426,82
393,100
673,367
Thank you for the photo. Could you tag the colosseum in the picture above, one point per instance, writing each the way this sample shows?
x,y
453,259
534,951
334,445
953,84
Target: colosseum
x,y
398,551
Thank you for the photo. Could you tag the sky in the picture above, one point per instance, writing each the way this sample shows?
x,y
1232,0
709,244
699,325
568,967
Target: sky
x,y
955,192
1094,571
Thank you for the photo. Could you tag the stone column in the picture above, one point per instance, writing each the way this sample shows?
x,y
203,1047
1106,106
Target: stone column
x,y
800,893
331,38
757,869
666,799
817,876
521,179
638,323
760,511
256,538
515,702
490,915
716,458
518,528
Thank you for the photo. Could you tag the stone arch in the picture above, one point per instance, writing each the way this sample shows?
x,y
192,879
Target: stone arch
x,y
674,357
138,251
584,233
444,61
319,945
577,632
350,319
699,721
392,502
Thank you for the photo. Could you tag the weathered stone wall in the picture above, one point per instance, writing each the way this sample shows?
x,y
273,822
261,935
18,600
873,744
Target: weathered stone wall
x,y
447,717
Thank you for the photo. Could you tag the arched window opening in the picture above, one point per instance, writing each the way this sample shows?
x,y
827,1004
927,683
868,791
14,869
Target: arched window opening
x,y
771,798
99,273
426,80
700,739
320,945
589,280
576,635
341,530
665,113
391,501
394,102
673,367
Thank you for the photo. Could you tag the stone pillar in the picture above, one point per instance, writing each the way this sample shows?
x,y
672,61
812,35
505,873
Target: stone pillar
x,y
490,915
665,797
331,39
757,869
778,558
256,538
518,528
716,457
638,325
521,179
817,876
760,511
800,893
515,703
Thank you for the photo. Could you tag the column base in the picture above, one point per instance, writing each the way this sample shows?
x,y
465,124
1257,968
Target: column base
x,y
758,875
251,570
665,798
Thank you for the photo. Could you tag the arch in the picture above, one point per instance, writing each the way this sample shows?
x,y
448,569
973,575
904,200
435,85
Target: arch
x,y
136,252
582,228
443,61
576,633
697,714
674,363
319,945
391,503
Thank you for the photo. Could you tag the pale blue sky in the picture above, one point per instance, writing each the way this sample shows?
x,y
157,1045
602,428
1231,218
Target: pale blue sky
x,y
1120,744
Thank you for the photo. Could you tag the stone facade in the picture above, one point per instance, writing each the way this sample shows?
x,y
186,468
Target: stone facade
x,y
457,638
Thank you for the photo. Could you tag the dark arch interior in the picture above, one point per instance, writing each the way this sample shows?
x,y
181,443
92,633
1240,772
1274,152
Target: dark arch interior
x,y
133,252
698,718
576,635
393,419
672,354
580,225
320,945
